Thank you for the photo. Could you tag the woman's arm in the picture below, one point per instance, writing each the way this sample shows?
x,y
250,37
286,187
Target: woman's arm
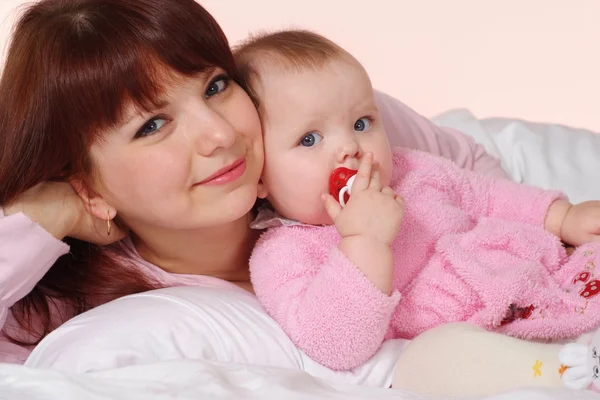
x,y
31,231
27,251
406,128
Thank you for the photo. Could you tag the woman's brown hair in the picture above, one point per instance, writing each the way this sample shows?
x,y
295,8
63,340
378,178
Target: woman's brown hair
x,y
71,68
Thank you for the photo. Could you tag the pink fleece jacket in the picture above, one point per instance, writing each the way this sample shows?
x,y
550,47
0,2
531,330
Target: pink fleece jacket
x,y
470,248
27,251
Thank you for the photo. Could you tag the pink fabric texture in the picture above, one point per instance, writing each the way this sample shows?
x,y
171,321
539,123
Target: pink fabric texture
x,y
470,248
27,251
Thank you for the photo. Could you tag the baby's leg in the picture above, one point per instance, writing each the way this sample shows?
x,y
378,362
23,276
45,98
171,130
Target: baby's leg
x,y
464,359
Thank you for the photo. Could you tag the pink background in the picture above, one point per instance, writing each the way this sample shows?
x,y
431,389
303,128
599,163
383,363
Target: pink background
x,y
534,59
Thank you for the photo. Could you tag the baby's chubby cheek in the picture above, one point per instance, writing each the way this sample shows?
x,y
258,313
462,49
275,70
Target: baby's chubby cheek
x,y
299,201
385,170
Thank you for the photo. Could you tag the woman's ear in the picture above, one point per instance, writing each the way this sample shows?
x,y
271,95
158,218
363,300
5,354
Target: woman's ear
x,y
93,202
262,191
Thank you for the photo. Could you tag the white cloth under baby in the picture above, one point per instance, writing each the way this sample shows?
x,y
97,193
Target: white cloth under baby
x,y
268,218
190,323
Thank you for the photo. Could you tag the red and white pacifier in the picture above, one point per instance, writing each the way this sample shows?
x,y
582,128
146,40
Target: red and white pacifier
x,y
340,184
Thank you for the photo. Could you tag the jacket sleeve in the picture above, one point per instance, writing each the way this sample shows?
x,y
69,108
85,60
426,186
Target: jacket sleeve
x,y
27,252
407,128
324,303
481,195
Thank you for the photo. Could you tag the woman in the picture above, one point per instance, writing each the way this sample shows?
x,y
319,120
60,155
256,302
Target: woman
x,y
122,120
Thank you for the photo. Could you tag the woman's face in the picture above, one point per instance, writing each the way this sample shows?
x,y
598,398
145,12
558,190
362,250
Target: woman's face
x,y
193,163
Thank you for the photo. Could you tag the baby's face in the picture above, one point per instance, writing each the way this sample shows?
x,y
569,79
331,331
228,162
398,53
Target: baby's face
x,y
315,121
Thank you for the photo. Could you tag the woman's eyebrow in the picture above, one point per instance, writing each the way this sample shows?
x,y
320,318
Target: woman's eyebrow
x,y
206,73
140,113
162,103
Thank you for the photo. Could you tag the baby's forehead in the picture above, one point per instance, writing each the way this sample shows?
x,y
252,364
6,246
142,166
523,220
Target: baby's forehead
x,y
279,85
272,75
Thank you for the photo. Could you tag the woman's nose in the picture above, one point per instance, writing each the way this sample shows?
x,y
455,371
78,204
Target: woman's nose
x,y
214,132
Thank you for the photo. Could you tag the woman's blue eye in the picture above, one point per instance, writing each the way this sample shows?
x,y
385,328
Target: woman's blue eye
x,y
311,139
151,127
216,86
363,124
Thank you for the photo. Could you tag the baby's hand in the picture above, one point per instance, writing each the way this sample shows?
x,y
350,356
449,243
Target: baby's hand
x,y
372,211
582,224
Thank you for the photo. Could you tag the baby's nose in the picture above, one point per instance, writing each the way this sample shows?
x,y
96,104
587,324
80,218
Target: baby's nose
x,y
349,149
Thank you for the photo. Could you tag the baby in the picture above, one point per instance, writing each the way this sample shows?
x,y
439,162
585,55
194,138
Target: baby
x,y
416,242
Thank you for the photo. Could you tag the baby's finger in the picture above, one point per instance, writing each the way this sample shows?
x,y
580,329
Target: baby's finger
x,y
375,177
399,199
363,176
332,207
388,191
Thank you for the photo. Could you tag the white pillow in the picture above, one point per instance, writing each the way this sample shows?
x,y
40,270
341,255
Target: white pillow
x,y
546,155
190,323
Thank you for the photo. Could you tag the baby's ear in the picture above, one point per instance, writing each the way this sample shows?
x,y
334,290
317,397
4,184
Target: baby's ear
x,y
262,191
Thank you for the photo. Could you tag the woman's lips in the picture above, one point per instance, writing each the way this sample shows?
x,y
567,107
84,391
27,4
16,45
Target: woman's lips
x,y
226,175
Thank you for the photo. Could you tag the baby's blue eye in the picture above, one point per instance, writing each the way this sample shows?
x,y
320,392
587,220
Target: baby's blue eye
x,y
363,124
151,127
311,139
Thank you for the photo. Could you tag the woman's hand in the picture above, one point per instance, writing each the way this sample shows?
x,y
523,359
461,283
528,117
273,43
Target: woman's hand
x,y
57,208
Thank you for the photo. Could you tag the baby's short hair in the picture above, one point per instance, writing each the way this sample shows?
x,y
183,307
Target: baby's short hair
x,y
291,49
